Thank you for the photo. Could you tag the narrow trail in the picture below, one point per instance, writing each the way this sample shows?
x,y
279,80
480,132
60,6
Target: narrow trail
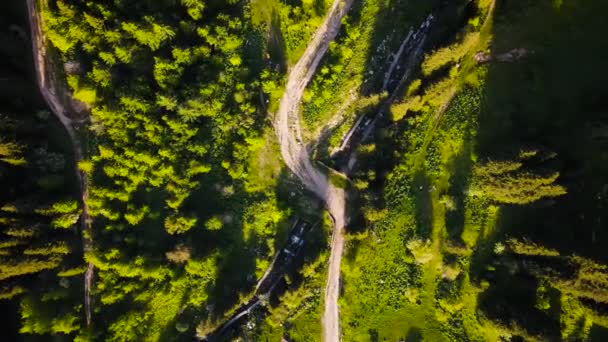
x,y
407,57
56,97
297,158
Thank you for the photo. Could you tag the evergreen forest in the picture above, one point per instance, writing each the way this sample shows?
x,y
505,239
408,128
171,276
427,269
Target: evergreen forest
x,y
303,170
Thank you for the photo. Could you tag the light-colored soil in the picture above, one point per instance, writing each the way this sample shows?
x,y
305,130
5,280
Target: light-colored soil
x,y
297,158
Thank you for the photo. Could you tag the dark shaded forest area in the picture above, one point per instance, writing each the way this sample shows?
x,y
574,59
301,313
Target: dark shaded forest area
x,y
41,252
477,206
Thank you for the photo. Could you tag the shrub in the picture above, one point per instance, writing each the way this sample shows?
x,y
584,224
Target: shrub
x,y
506,182
176,224
449,54
214,223
421,250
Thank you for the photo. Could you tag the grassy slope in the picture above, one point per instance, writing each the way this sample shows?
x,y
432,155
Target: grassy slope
x,y
394,289
387,294
356,62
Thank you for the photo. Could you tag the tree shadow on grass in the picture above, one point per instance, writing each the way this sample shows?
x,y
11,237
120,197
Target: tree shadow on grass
x,y
598,333
236,271
414,335
552,97
559,94
276,43
319,7
460,170
315,242
387,35
236,252
510,300
484,245
293,3
237,265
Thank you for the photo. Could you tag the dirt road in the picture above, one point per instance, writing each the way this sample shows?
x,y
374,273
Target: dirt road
x,y
297,158
56,97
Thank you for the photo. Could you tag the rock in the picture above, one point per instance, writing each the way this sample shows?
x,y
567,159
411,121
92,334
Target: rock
x,y
510,56
72,68
482,57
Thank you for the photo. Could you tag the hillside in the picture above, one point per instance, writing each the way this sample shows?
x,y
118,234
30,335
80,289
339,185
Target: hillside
x,y
304,170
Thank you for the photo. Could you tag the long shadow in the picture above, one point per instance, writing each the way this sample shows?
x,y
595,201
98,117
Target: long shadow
x,y
234,273
461,168
276,43
462,114
511,300
236,265
290,278
46,178
557,103
552,97
388,34
319,7
293,3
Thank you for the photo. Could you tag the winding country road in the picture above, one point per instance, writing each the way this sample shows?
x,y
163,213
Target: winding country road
x,y
297,158
57,98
